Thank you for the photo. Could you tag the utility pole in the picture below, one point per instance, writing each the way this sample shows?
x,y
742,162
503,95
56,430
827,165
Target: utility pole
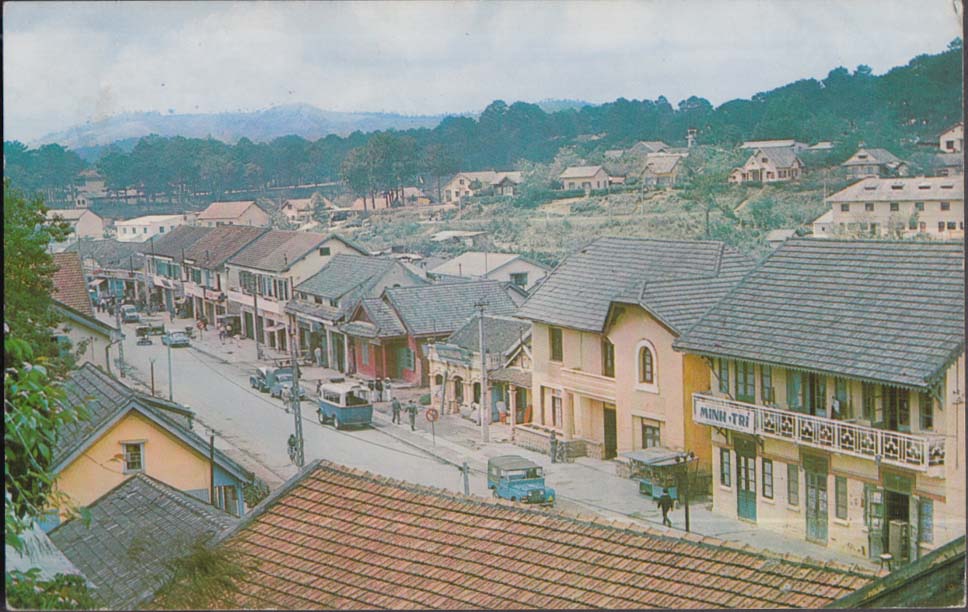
x,y
147,267
255,318
170,388
211,465
485,420
294,398
117,321
152,361
465,470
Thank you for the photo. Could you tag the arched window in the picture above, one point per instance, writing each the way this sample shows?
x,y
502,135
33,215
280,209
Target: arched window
x,y
438,380
646,366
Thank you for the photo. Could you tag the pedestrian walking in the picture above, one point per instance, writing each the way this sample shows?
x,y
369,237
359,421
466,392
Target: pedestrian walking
x,y
665,504
318,353
395,408
412,413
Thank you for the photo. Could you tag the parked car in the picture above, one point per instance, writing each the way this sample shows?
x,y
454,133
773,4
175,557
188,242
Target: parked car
x,y
130,314
518,479
265,377
282,387
175,338
344,404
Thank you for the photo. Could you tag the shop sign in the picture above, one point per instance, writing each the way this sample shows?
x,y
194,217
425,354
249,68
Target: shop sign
x,y
721,414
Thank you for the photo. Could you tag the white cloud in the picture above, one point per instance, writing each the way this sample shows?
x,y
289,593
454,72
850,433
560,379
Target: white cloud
x,y
65,63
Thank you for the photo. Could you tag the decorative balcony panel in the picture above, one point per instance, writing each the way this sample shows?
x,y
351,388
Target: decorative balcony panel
x,y
912,451
588,384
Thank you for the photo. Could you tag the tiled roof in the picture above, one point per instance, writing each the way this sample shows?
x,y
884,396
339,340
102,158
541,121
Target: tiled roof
x,y
676,280
902,189
885,311
472,263
579,172
149,219
225,210
650,146
319,311
500,334
105,399
661,163
343,273
763,144
385,321
873,156
276,250
136,530
220,244
782,157
110,254
70,286
340,538
442,308
176,242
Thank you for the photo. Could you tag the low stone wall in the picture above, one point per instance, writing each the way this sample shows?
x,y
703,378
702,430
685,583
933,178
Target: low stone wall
x,y
538,439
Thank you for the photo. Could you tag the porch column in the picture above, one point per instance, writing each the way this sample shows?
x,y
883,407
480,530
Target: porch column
x,y
384,373
329,347
346,353
568,414
512,405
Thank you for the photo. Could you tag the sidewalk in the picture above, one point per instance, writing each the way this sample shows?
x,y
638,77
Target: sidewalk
x,y
586,485
590,485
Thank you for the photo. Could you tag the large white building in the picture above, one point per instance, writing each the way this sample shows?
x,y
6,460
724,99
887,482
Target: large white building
x,y
143,228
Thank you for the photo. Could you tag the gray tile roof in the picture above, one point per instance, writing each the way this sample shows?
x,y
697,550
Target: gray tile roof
x,y
385,321
500,334
345,272
442,308
676,280
319,311
883,311
220,244
176,242
902,189
111,254
782,157
105,399
136,529
874,156
276,250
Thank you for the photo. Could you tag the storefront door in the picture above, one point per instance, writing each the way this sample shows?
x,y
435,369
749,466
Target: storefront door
x,y
816,506
745,477
875,520
611,435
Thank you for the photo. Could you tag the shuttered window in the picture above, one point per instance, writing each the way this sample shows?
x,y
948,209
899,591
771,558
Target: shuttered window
x,y
768,478
725,468
925,521
840,497
793,484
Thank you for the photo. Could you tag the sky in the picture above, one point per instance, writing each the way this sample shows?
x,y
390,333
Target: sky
x,y
65,63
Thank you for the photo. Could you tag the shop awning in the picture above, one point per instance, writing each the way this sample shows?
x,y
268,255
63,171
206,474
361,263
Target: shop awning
x,y
164,283
94,283
655,457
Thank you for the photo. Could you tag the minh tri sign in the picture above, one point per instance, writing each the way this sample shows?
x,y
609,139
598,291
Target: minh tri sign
x,y
718,413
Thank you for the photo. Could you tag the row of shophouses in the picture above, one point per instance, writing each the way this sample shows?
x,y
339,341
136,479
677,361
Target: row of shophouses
x,y
822,389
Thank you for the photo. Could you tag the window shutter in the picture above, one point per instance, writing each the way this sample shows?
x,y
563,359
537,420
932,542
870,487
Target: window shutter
x,y
794,382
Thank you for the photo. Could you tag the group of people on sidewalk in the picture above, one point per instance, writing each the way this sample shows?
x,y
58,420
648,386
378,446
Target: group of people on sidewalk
x,y
395,407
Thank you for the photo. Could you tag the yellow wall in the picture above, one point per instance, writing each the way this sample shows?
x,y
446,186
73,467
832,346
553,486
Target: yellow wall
x,y
166,458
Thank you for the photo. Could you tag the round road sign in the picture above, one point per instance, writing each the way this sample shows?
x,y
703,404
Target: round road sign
x,y
432,414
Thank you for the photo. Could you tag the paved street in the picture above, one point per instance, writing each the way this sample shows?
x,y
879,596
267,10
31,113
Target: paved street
x,y
212,378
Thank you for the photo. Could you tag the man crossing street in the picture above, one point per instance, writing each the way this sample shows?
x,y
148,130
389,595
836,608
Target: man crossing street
x,y
412,413
665,504
395,407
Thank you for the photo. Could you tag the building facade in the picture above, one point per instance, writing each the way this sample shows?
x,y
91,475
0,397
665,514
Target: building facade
x,y
952,140
874,162
584,177
245,212
467,184
144,228
931,207
605,378
832,417
769,165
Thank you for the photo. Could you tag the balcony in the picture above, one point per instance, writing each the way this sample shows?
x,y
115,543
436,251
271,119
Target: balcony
x,y
588,384
912,451
266,304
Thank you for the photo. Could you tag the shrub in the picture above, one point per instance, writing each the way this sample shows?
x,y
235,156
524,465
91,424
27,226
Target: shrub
x,y
425,399
255,492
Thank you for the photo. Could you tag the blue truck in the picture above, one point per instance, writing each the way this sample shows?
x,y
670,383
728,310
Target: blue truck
x,y
518,479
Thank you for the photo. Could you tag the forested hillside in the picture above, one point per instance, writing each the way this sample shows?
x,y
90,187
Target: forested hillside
x,y
895,110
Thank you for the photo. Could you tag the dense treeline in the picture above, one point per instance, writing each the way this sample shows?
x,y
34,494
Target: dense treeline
x,y
894,110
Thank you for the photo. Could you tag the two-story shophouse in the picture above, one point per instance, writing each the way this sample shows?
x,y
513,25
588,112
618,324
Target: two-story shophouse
x,y
205,273
836,408
605,378
163,259
324,300
261,278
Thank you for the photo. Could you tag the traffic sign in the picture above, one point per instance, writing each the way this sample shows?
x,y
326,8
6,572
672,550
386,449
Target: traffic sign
x,y
432,414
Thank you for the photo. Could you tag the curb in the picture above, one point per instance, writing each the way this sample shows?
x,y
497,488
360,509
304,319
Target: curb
x,y
210,354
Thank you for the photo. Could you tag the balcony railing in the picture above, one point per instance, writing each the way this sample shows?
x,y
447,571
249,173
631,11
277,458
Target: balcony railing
x,y
586,383
912,451
266,303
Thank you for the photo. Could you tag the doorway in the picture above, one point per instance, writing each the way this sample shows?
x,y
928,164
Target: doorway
x,y
897,511
611,435
816,506
897,409
339,352
746,486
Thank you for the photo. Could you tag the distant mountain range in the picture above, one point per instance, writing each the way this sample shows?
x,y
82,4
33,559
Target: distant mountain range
x,y
259,126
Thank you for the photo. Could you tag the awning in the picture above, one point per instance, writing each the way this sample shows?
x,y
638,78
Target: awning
x,y
164,283
94,283
655,457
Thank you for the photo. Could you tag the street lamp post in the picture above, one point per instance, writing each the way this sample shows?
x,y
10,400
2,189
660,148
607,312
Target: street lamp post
x,y
170,388
682,478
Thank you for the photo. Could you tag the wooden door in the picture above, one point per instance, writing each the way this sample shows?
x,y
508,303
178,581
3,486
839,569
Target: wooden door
x,y
816,507
746,486
611,433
